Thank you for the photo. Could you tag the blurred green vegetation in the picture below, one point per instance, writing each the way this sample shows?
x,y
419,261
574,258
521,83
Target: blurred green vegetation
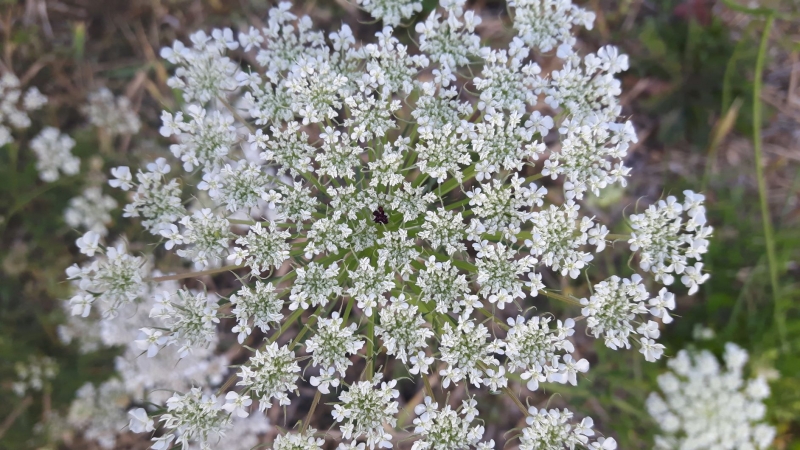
x,y
695,65
37,246
707,69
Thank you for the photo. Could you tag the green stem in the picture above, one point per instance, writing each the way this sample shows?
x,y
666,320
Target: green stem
x,y
371,346
428,388
762,185
285,326
533,178
13,154
309,323
314,404
516,400
313,180
494,318
561,297
755,11
181,276
449,185
242,222
349,308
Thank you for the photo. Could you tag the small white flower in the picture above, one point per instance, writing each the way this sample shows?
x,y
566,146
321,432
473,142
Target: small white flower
x,y
151,340
325,380
420,363
89,243
237,404
140,422
122,178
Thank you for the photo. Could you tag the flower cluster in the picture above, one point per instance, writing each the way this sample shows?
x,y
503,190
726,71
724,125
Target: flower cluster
x,y
98,410
705,404
552,430
547,24
54,152
448,428
156,200
271,373
391,200
615,305
666,243
186,319
365,407
193,416
114,115
332,342
90,211
114,279
260,305
10,113
535,348
33,375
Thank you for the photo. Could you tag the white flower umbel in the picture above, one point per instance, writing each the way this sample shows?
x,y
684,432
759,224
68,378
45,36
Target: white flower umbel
x,y
114,115
401,329
364,410
240,188
315,284
156,199
506,81
369,284
54,153
591,155
618,306
261,305
331,344
557,237
467,349
113,277
536,349
499,272
207,236
546,24
16,106
450,40
392,12
99,413
305,440
554,430
271,373
33,374
666,243
704,404
90,211
204,140
190,319
392,198
203,73
444,229
262,248
193,417
446,428
441,284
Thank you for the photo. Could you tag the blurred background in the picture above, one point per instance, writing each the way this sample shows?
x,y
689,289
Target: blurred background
x,y
692,91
